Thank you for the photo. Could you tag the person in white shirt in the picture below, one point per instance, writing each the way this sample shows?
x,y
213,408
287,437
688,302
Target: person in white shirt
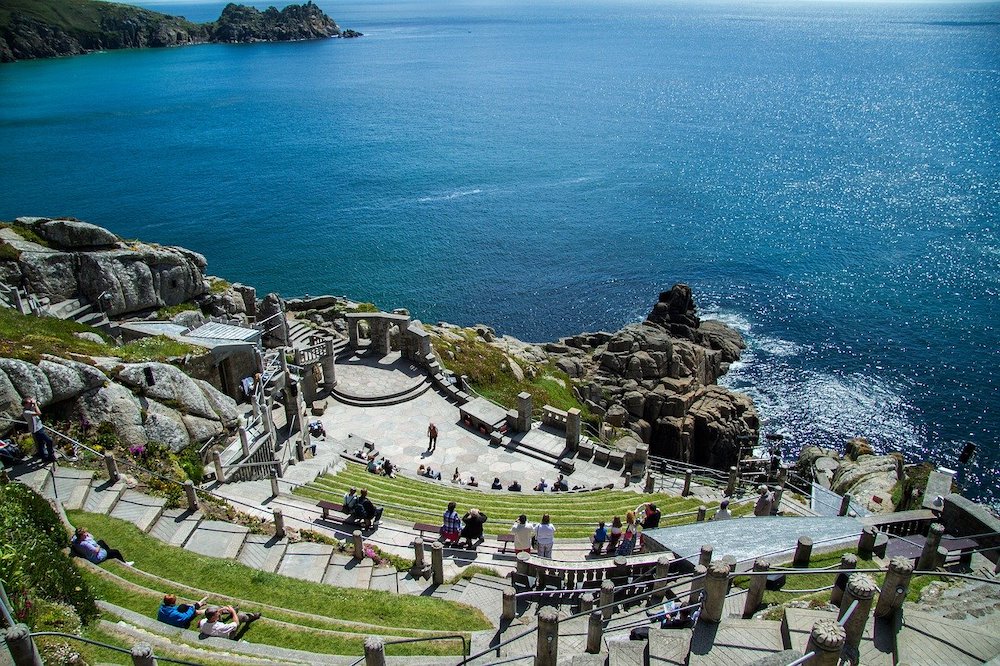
x,y
212,624
545,534
723,512
523,532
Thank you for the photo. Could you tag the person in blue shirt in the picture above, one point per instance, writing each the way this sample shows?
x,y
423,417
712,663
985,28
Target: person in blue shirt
x,y
598,538
179,616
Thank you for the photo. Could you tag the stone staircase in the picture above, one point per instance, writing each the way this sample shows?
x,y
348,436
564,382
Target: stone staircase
x,y
415,391
299,334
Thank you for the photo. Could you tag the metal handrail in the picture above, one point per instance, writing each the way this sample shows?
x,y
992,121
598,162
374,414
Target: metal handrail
x,y
107,646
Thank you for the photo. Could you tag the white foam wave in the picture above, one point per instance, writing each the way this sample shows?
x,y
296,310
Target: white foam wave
x,y
777,346
450,195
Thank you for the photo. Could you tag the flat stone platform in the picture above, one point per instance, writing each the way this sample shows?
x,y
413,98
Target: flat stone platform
x,y
372,377
750,538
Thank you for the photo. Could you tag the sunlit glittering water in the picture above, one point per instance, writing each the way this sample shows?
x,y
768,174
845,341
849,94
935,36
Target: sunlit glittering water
x,y
825,176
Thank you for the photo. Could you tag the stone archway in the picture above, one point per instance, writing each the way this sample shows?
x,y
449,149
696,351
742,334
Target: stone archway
x,y
379,324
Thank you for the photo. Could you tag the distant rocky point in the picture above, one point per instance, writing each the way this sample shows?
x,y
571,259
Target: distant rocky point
x,y
49,28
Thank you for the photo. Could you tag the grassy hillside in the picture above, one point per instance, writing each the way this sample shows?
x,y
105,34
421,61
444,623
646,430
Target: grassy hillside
x,y
80,16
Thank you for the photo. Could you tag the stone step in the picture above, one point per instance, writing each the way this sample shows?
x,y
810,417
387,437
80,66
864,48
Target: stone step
x,y
217,539
71,487
263,552
623,652
669,647
584,659
494,582
347,571
103,496
385,578
307,561
383,401
141,510
175,526
734,641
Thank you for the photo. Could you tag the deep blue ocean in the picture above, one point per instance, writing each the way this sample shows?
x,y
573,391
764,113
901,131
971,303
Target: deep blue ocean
x,y
825,176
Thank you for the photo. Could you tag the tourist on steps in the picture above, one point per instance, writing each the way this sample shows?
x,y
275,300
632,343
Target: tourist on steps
x,y
652,517
542,486
615,534
451,526
473,529
32,415
213,625
764,502
496,484
723,512
545,536
630,535
96,551
514,486
179,615
523,532
432,437
598,538
366,511
350,499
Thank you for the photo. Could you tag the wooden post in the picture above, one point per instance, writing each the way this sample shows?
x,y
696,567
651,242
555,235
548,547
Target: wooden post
x,y
300,450
926,561
826,640
705,557
244,441
733,477
895,587
192,496
276,468
866,543
142,655
940,557
595,632
702,511
374,651
755,595
587,602
845,505
662,571
698,584
860,588
803,551
274,484
220,472
547,649
437,563
279,523
716,586
607,599
358,544
687,484
112,466
650,483
847,561
523,565
509,605
22,649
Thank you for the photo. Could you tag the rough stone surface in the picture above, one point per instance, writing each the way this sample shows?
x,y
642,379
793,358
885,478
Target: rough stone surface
x,y
866,477
116,405
51,274
28,380
166,426
200,429
276,330
170,384
223,406
74,234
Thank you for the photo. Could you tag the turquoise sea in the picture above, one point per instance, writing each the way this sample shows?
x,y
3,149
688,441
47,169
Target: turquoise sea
x,y
826,176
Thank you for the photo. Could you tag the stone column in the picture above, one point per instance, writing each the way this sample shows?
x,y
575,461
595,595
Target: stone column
x,y
866,543
22,649
845,505
437,563
826,640
803,551
755,595
142,655
274,484
191,495
509,608
573,424
279,523
220,473
650,483
705,557
926,561
359,545
523,563
687,484
523,412
894,588
607,599
547,649
595,632
662,571
374,651
352,332
587,602
418,554
733,478
698,584
112,466
702,513
860,588
329,366
847,561
716,587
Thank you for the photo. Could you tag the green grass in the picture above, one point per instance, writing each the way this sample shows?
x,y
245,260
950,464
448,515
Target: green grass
x,y
28,337
218,285
229,578
81,17
417,498
8,252
170,311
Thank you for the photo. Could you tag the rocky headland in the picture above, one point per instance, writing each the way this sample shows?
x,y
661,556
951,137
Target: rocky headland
x,y
49,28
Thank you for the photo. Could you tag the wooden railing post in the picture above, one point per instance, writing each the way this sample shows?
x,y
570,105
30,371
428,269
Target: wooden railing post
x,y
607,599
191,495
279,523
895,587
927,556
112,466
509,605
755,595
687,484
142,655
595,632
220,472
803,552
826,641
705,557
547,648
359,545
437,563
716,586
847,561
860,588
374,651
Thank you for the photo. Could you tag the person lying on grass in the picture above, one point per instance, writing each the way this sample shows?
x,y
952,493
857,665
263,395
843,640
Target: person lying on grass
x,y
213,625
94,550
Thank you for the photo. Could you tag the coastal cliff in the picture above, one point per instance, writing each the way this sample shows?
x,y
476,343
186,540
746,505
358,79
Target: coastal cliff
x,y
49,28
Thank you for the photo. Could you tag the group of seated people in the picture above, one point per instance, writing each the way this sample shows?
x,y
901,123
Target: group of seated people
x,y
623,539
559,484
468,527
360,508
426,470
457,478
382,467
218,621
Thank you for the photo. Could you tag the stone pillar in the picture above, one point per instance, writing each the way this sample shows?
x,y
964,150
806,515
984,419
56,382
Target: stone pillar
x,y
650,483
352,332
523,411
778,493
329,366
523,564
22,649
698,584
279,523
926,561
437,563
359,545
940,557
191,495
573,424
866,543
547,650
244,441
607,599
300,450
662,571
733,478
142,655
702,513
587,602
300,408
220,473
289,403
826,640
860,588
894,588
705,557
112,466
687,484
847,561
845,505
595,632
803,551
755,595
716,587
374,651
418,554
509,605
274,484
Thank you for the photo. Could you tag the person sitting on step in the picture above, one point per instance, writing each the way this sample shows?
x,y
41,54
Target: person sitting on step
x,y
451,526
179,615
496,484
542,486
472,482
96,551
514,486
473,529
350,499
598,538
316,429
213,625
388,469
456,477
366,511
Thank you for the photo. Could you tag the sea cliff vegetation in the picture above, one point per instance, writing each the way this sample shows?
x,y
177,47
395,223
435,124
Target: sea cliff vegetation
x,y
49,28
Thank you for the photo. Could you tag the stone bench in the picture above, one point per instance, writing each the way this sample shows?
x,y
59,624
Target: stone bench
x,y
601,455
616,459
567,466
585,449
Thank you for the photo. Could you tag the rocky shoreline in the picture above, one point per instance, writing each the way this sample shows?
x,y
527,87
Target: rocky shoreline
x,y
47,29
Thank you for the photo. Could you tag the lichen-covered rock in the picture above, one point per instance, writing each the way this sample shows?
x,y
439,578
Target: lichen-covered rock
x,y
65,383
189,318
271,310
169,385
74,234
166,426
113,404
229,304
867,477
28,380
199,429
51,274
10,399
222,404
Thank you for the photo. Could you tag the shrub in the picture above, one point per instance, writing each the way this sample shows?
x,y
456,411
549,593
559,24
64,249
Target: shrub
x,y
190,461
56,616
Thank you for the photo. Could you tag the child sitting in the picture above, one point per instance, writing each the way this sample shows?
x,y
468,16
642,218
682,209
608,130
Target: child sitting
x,y
598,538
